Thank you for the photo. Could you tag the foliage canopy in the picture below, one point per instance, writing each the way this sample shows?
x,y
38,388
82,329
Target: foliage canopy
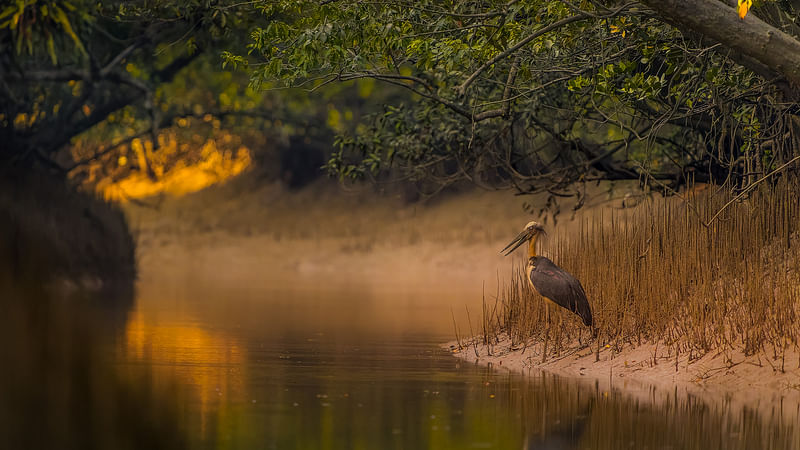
x,y
69,65
112,90
538,94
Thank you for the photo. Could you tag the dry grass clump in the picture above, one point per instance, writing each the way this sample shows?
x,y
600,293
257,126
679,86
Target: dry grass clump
x,y
661,276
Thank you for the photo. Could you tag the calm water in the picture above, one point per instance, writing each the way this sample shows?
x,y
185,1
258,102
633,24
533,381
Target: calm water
x,y
204,359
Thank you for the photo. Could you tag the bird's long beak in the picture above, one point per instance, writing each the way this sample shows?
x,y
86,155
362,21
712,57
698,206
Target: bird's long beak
x,y
519,240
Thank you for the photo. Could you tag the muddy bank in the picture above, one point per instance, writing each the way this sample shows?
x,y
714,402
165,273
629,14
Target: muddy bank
x,y
766,385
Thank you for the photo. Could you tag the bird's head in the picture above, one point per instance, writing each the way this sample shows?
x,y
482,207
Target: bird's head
x,y
531,230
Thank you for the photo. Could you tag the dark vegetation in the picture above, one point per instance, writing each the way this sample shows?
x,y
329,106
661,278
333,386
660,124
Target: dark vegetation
x,y
529,95
77,67
72,71
67,258
541,95
52,233
81,81
676,274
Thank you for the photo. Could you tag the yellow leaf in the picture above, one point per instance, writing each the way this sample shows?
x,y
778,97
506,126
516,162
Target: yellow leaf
x,y
744,6
7,12
51,49
15,17
61,19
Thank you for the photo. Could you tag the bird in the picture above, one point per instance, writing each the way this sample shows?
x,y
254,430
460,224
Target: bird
x,y
555,284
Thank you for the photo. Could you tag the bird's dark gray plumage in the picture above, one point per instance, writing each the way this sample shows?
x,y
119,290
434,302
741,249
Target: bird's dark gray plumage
x,y
560,286
554,283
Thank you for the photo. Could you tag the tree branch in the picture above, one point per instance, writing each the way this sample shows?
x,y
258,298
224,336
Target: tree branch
x,y
55,139
167,122
752,37
121,56
544,30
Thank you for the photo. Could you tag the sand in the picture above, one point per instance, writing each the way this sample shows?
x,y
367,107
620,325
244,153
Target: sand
x,y
768,386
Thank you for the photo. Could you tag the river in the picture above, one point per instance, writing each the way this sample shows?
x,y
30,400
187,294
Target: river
x,y
202,358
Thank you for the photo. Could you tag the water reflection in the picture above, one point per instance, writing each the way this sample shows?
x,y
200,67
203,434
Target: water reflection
x,y
341,366
59,385
206,362
200,363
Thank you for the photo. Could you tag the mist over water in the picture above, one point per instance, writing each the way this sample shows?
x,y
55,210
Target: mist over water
x,y
208,359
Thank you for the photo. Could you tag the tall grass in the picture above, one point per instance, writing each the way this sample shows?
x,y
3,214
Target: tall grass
x,y
662,275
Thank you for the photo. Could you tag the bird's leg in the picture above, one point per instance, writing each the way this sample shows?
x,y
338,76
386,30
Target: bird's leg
x,y
544,349
560,330
547,330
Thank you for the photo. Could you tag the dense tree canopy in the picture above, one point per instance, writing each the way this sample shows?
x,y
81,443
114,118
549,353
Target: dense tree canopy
x,y
538,94
68,65
530,94
105,90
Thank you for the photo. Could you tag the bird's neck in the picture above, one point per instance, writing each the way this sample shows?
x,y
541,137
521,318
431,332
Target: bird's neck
x,y
532,247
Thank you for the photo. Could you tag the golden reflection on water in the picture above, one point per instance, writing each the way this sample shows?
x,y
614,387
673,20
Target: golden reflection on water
x,y
59,385
209,363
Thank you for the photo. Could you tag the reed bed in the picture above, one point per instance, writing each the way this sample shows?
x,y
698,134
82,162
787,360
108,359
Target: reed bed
x,y
666,275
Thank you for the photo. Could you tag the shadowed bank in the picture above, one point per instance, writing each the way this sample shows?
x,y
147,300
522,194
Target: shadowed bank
x,y
67,284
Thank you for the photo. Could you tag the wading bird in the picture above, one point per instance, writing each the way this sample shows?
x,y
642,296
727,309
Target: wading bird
x,y
555,284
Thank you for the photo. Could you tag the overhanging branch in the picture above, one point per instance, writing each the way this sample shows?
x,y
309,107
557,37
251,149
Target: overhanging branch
x,y
751,36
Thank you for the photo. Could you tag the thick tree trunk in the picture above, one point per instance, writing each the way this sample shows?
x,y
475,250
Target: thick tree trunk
x,y
752,37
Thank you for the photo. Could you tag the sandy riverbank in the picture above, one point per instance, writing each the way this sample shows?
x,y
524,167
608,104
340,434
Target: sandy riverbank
x,y
758,383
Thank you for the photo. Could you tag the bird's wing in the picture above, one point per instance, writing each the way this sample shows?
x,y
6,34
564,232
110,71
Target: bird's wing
x,y
561,287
